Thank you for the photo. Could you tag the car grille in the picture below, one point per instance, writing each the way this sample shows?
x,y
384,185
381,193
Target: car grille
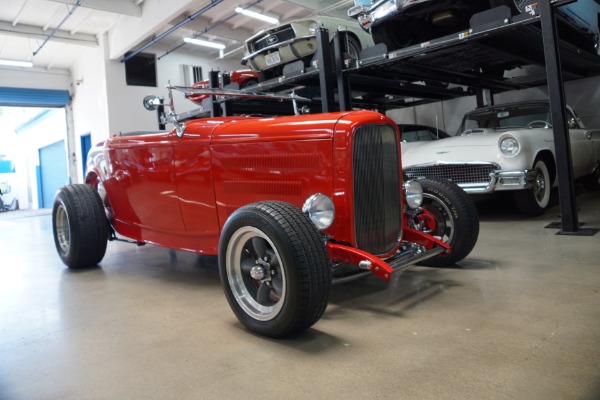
x,y
377,202
280,35
461,174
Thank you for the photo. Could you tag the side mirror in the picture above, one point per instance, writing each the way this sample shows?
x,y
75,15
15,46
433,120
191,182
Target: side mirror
x,y
151,102
573,123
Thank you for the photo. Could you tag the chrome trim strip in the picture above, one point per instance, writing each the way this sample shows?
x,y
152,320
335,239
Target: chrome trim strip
x,y
277,45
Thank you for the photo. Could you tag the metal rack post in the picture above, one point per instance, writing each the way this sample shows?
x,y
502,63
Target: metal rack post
x,y
325,68
343,83
556,92
213,83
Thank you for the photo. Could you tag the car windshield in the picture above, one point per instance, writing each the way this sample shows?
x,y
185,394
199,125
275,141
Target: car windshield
x,y
421,134
505,118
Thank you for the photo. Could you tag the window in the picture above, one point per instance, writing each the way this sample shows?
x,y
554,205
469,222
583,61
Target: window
x,y
191,74
140,70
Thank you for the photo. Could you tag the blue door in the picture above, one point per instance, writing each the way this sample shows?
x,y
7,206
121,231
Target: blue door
x,y
86,145
53,171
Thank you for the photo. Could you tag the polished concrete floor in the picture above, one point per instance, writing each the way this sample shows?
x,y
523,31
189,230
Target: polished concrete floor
x,y
518,319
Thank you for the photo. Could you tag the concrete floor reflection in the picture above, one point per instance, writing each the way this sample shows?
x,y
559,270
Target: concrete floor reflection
x,y
518,319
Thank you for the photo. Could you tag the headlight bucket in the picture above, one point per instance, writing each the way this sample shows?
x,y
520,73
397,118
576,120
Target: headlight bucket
x,y
320,210
413,192
509,146
313,28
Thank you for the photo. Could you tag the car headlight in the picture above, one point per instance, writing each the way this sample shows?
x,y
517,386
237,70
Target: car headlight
x,y
509,146
413,192
365,21
313,27
320,210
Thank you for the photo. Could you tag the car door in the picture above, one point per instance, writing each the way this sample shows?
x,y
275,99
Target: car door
x,y
141,185
582,147
193,175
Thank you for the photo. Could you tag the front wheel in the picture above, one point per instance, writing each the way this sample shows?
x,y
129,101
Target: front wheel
x,y
274,268
534,201
80,226
449,214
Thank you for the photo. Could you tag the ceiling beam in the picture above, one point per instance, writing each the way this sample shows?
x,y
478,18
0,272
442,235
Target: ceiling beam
x,y
333,8
202,26
125,7
132,32
19,14
35,32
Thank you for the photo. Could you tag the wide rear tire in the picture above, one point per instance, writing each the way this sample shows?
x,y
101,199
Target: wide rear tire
x,y
274,268
79,226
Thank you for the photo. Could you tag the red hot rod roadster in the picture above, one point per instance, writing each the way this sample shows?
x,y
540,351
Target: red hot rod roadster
x,y
289,204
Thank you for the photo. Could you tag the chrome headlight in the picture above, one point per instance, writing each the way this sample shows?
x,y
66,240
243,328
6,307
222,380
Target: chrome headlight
x,y
413,192
509,146
313,27
320,210
365,21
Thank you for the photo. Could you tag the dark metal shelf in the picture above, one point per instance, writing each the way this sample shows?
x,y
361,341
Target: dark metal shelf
x,y
461,64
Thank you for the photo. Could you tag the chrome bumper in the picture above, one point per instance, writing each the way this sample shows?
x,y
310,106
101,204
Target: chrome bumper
x,y
278,46
383,9
503,180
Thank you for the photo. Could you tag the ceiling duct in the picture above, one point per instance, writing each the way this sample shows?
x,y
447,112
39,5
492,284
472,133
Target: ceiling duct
x,y
71,11
171,30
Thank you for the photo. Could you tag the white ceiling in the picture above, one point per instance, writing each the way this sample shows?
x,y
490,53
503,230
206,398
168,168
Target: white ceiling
x,y
54,33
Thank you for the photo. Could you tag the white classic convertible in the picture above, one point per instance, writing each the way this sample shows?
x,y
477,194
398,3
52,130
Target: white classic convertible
x,y
507,147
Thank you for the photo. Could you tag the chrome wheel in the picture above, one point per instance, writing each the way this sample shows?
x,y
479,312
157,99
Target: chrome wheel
x,y
444,222
449,215
255,273
63,232
541,187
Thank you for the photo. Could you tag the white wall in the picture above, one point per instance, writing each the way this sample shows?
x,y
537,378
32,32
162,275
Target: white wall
x,y
35,78
89,104
125,109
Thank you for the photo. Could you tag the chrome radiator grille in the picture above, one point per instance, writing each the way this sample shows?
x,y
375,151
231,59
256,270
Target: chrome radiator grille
x,y
377,202
461,174
280,35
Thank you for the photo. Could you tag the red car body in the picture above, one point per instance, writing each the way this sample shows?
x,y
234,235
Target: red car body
x,y
243,78
178,192
289,205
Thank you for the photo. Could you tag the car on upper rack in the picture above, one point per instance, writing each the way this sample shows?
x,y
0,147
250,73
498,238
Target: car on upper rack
x,y
403,23
508,147
289,205
269,50
244,78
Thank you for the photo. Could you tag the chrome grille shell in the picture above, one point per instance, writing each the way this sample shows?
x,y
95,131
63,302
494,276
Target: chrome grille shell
x,y
280,35
376,187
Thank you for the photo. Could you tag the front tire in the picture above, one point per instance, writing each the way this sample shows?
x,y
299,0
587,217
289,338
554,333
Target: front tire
x,y
451,216
534,201
79,226
274,269
249,83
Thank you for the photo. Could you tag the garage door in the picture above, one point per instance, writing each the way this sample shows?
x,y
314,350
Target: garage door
x,y
53,172
21,97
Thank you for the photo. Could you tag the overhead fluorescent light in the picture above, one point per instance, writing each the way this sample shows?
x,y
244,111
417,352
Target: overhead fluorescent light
x,y
256,15
204,43
15,63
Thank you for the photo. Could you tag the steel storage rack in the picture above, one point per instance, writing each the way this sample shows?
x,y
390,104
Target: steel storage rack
x,y
462,64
